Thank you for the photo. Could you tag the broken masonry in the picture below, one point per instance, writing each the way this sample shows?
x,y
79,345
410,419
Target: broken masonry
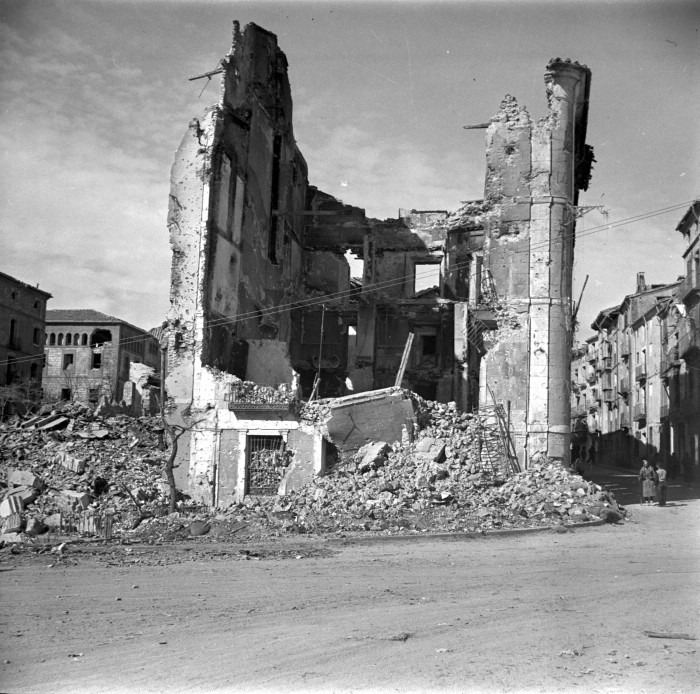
x,y
265,312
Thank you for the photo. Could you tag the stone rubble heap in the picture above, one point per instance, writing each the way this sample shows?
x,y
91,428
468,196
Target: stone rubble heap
x,y
439,483
90,463
74,461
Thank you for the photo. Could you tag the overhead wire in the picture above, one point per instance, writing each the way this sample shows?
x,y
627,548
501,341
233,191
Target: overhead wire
x,y
311,302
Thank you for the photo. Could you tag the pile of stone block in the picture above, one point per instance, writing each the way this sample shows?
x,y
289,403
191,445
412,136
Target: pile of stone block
x,y
438,483
86,463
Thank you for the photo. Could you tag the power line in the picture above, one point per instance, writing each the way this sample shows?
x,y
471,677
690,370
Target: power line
x,y
378,286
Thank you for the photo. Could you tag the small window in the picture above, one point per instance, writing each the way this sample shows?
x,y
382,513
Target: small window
x,y
52,339
67,361
426,276
69,339
34,371
93,395
66,394
96,360
36,304
60,339
76,339
84,339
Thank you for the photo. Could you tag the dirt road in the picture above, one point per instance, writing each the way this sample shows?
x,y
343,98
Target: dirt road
x,y
546,612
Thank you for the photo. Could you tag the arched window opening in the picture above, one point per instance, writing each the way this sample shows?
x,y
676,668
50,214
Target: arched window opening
x,y
60,338
69,339
84,340
76,339
52,339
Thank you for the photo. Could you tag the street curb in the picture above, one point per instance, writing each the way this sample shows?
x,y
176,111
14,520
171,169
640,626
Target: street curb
x,y
456,537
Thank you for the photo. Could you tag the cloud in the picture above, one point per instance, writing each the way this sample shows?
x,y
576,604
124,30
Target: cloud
x,y
84,177
369,163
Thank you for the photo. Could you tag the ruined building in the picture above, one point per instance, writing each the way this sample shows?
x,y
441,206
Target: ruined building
x,y
262,291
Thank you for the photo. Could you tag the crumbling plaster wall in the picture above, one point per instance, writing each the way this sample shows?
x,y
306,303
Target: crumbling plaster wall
x,y
236,182
529,251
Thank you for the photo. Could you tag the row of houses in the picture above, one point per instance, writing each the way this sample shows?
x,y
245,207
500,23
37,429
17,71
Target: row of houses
x,y
635,384
75,355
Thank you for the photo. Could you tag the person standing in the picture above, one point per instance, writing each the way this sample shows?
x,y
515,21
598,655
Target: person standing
x,y
646,478
661,484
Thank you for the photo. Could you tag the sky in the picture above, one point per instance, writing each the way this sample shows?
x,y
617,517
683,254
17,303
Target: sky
x,y
95,97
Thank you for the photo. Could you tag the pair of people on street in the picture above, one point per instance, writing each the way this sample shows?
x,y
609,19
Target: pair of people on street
x,y
653,480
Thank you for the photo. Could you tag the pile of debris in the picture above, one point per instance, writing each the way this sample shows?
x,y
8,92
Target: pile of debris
x,y
442,482
393,488
71,460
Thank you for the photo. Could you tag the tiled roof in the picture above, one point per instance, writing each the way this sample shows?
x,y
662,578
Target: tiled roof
x,y
79,315
85,315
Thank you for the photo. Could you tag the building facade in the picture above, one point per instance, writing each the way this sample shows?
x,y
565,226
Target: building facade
x,y
88,355
22,324
635,386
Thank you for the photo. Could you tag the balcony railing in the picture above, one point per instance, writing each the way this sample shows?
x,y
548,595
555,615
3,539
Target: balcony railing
x,y
640,373
608,363
640,411
624,385
608,395
248,396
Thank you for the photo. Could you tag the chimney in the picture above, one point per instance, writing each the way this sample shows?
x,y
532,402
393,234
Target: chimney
x,y
641,284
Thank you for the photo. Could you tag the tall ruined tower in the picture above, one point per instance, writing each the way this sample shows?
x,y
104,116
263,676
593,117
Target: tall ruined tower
x,y
534,174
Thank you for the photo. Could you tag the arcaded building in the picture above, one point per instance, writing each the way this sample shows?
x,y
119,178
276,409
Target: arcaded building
x,y
88,355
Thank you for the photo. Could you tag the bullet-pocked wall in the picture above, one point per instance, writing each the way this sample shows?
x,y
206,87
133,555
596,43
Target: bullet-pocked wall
x,y
534,173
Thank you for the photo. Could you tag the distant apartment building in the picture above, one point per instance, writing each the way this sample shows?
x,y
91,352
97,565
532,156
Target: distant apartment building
x,y
635,385
88,355
22,318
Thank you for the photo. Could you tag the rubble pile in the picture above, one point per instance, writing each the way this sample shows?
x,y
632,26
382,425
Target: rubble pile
x,y
315,412
398,490
253,394
73,460
439,482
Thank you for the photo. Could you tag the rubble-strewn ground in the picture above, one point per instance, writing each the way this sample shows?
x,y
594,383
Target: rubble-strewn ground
x,y
114,466
549,612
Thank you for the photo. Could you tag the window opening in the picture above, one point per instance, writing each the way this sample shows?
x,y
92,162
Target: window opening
x,y
69,339
66,394
267,460
96,360
37,336
100,336
426,276
67,361
60,339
